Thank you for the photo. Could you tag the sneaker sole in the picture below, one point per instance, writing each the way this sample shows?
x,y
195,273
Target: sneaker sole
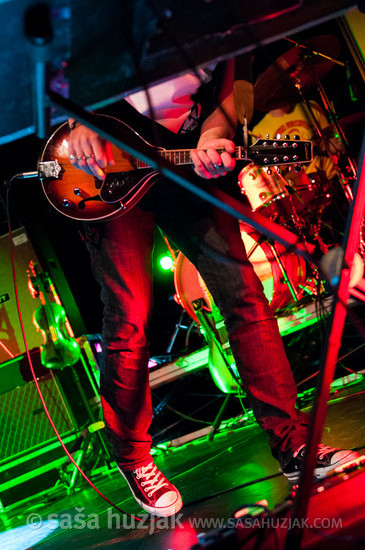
x,y
162,512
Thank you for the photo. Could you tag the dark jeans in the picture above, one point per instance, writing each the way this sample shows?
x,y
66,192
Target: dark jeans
x,y
121,261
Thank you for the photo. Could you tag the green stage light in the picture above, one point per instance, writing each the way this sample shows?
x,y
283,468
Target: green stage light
x,y
166,263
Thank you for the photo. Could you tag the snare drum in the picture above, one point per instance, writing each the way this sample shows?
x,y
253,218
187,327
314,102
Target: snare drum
x,y
260,187
190,286
282,195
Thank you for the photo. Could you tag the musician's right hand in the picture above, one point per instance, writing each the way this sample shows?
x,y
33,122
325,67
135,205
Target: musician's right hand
x,y
89,152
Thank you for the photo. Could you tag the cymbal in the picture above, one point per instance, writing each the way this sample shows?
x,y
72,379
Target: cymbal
x,y
276,86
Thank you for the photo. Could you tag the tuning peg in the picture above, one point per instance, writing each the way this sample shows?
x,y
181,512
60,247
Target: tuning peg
x,y
278,136
286,136
267,136
297,168
269,171
296,136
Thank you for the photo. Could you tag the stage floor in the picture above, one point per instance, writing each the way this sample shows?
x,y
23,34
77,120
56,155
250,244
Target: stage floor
x,y
214,477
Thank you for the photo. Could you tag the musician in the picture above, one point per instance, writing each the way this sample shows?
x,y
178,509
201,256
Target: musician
x,y
200,105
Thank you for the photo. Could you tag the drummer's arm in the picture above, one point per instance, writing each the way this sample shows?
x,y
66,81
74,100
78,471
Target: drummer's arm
x,y
329,144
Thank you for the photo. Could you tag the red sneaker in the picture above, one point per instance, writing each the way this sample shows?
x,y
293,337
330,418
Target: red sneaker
x,y
153,492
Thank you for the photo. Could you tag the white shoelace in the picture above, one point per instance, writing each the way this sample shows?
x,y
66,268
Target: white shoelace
x,y
324,449
298,451
321,450
153,484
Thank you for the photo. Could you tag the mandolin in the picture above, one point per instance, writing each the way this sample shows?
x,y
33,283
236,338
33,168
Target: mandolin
x,y
80,196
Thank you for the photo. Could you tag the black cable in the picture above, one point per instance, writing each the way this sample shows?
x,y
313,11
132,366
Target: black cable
x,y
231,489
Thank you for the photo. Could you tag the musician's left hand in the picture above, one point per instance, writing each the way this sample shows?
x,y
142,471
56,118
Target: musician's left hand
x,y
208,162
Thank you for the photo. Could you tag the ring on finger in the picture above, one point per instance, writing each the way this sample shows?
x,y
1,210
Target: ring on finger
x,y
88,157
80,158
72,157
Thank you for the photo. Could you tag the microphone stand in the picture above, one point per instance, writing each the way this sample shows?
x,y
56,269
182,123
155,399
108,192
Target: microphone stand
x,y
308,54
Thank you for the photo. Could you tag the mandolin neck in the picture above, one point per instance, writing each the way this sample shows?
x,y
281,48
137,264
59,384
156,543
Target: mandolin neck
x,y
182,156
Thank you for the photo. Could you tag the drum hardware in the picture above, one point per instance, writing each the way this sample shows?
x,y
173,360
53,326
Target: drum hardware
x,y
331,115
293,198
287,279
274,87
179,325
220,359
295,294
221,362
352,169
297,70
190,286
264,188
282,194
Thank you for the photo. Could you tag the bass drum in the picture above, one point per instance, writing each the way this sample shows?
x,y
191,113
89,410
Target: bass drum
x,y
190,286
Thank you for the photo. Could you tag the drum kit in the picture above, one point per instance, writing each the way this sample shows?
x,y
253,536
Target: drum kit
x,y
295,199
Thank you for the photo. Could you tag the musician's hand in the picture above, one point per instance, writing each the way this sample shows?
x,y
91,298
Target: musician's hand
x,y
89,152
334,145
208,162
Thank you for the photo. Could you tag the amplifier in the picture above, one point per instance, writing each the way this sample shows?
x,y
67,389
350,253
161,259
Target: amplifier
x,y
31,457
11,339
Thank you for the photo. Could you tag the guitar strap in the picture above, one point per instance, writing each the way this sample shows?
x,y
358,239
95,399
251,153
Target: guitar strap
x,y
205,101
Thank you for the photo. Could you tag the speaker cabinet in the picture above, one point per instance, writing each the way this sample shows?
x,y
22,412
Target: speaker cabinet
x,y
24,424
11,339
31,455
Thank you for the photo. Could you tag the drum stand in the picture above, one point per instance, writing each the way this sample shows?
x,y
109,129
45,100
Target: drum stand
x,y
178,326
287,279
218,355
308,55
